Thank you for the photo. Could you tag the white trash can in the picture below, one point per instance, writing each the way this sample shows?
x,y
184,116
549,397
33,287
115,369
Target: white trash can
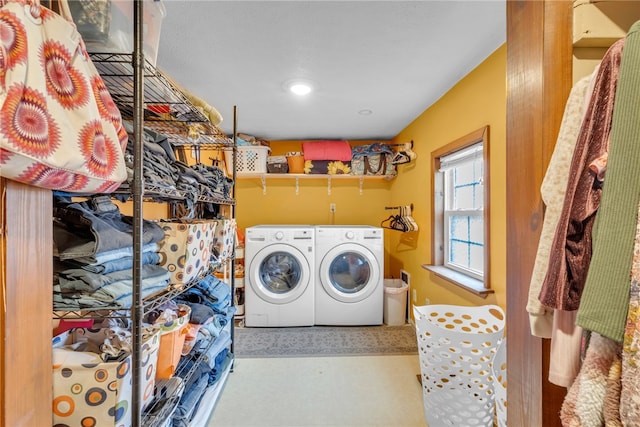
x,y
395,302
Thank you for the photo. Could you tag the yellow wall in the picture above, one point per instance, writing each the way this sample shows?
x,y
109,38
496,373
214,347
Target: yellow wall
x,y
477,100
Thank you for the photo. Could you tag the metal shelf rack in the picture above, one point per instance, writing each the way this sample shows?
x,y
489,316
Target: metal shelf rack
x,y
148,98
166,109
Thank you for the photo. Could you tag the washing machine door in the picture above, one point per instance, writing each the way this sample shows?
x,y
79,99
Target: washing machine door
x,y
350,272
279,273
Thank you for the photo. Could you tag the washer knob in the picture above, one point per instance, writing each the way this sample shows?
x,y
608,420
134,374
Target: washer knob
x,y
349,235
279,235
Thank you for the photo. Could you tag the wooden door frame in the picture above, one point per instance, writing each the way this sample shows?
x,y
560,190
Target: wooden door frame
x,y
539,79
26,269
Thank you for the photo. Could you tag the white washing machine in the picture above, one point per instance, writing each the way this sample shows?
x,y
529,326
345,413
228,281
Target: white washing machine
x,y
350,270
279,275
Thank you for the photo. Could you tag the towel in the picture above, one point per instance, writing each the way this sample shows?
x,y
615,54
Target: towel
x,y
326,150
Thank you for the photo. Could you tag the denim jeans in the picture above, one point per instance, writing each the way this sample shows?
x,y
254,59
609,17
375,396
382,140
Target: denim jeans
x,y
190,400
92,281
96,226
122,263
115,254
116,294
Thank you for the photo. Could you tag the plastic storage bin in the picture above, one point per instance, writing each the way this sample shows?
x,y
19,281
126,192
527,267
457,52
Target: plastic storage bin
x,y
296,163
456,347
172,337
107,26
249,159
395,302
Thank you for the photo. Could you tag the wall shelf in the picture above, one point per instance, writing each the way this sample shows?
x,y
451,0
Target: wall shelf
x,y
298,176
313,176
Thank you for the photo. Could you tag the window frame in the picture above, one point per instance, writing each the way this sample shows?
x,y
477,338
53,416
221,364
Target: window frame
x,y
480,287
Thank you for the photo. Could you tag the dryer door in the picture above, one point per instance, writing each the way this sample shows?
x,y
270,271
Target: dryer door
x,y
350,272
279,273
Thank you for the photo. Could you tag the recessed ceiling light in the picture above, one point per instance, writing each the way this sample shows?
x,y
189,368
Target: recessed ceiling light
x,y
299,87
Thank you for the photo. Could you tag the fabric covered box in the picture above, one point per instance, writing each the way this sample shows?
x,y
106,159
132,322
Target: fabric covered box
x,y
277,164
107,25
185,250
224,241
90,391
373,159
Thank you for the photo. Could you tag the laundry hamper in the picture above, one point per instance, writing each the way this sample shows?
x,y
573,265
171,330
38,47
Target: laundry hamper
x,y
499,372
456,347
250,159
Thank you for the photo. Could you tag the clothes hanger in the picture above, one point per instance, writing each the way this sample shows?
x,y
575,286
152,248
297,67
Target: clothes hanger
x,y
398,223
413,225
386,223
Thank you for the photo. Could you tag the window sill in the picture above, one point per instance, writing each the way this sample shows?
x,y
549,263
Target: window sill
x,y
465,282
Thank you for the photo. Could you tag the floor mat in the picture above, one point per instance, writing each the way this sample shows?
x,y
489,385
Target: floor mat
x,y
315,341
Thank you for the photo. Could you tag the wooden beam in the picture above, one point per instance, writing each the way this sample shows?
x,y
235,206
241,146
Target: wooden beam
x,y
26,294
538,84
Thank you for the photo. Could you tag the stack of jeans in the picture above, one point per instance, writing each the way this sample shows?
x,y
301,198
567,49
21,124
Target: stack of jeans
x,y
94,256
161,170
206,360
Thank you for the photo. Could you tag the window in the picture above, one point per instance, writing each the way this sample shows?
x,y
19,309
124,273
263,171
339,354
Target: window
x,y
461,213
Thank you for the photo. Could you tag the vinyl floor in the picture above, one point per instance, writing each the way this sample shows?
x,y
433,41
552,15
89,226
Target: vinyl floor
x,y
351,391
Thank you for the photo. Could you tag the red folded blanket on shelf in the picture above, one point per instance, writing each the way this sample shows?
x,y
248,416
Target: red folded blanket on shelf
x,y
326,150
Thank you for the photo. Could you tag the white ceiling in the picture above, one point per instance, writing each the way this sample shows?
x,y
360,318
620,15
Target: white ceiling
x,y
395,58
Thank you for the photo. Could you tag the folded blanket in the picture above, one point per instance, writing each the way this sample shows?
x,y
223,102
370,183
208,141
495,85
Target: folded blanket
x,y
326,150
327,167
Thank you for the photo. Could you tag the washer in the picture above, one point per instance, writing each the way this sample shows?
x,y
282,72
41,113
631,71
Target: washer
x,y
279,274
350,270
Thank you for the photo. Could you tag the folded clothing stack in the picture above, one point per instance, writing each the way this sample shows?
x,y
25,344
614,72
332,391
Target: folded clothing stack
x,y
331,157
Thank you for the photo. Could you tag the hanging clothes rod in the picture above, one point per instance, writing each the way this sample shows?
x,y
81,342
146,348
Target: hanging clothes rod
x,y
397,207
402,144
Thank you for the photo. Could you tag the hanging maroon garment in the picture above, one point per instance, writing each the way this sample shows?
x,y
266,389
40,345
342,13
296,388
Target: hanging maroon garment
x,y
571,248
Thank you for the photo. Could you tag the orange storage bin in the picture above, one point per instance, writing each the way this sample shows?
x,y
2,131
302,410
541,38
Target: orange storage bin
x,y
172,336
296,164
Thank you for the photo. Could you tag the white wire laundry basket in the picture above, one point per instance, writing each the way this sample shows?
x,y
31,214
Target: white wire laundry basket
x,y
457,346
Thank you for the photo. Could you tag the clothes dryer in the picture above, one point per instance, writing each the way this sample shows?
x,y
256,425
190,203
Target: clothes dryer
x,y
279,275
350,270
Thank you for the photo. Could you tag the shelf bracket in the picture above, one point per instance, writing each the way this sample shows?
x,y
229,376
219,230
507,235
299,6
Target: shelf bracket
x,y
329,185
361,184
297,186
263,180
